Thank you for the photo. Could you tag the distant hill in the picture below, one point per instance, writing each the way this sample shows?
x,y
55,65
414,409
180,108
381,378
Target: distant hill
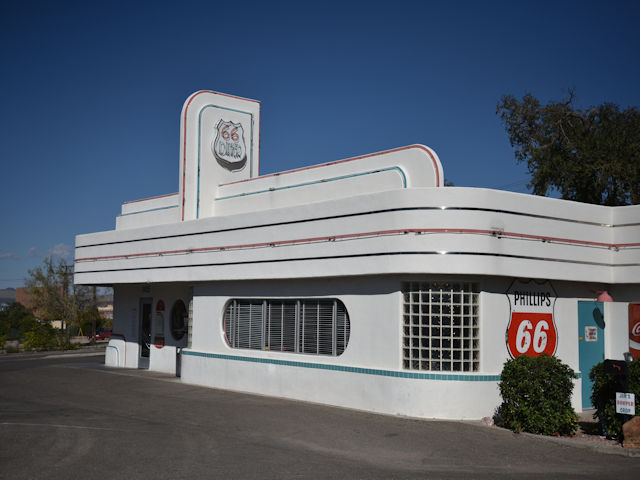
x,y
104,300
7,295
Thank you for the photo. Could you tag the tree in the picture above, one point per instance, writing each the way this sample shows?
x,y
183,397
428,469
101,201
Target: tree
x,y
90,321
590,156
15,321
53,300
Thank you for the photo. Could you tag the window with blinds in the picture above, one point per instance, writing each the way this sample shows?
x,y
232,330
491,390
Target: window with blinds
x,y
440,326
311,326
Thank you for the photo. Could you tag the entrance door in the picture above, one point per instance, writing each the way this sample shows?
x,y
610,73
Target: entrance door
x,y
179,328
144,336
591,343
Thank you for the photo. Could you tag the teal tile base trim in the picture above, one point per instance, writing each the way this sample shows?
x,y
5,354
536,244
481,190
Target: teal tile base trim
x,y
341,368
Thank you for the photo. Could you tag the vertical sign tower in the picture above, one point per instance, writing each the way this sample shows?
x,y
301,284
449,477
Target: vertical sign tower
x,y
219,143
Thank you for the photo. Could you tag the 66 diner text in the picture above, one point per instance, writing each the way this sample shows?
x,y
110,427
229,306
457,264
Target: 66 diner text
x,y
230,134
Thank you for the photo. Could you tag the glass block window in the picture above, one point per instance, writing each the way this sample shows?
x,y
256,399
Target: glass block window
x,y
312,326
440,327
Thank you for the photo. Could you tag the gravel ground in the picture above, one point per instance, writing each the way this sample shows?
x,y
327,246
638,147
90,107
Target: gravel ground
x,y
589,435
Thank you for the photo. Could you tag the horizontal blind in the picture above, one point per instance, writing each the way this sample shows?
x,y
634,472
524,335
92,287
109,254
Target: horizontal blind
x,y
311,326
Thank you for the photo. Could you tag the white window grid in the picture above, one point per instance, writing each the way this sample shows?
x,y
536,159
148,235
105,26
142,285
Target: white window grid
x,y
441,326
310,326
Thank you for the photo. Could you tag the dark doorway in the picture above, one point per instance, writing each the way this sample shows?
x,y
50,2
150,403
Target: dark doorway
x,y
144,337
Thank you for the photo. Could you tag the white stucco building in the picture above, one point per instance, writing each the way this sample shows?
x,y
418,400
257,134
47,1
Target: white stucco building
x,y
363,283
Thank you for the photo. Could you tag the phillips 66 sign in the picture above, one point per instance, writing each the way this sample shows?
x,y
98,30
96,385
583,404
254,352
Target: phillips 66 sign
x,y
532,330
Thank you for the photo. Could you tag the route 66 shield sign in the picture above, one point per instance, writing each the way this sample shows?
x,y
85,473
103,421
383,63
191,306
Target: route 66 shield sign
x,y
229,146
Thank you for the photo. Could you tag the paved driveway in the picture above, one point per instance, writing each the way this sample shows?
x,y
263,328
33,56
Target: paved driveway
x,y
66,416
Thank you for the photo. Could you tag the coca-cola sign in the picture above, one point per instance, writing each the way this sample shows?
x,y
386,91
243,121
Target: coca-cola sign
x,y
532,330
634,330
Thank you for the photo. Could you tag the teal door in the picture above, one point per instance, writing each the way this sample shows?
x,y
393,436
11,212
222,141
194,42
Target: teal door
x,y
591,343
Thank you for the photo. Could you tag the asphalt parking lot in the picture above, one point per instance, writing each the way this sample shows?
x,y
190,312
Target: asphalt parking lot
x,y
66,417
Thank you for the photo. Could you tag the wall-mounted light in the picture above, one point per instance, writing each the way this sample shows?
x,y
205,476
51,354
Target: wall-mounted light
x,y
604,297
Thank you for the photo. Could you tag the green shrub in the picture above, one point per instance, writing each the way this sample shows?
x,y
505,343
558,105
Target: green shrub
x,y
15,321
536,396
64,342
603,396
41,337
14,334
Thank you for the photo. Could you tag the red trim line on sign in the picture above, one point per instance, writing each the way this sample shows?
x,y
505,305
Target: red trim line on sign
x,y
150,198
184,140
399,149
362,235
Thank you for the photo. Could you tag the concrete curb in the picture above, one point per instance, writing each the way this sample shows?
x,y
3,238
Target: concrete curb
x,y
93,350
98,348
577,442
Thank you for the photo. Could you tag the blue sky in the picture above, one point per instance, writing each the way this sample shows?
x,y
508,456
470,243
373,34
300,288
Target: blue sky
x,y
91,92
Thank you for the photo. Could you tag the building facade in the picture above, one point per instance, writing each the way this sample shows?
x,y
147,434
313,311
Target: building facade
x,y
362,283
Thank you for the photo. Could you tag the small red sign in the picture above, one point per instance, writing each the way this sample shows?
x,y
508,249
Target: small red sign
x,y
531,334
160,306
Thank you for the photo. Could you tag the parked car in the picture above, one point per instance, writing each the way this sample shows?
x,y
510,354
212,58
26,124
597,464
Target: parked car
x,y
104,335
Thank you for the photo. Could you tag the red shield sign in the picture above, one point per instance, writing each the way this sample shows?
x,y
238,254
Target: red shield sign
x,y
531,334
531,330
